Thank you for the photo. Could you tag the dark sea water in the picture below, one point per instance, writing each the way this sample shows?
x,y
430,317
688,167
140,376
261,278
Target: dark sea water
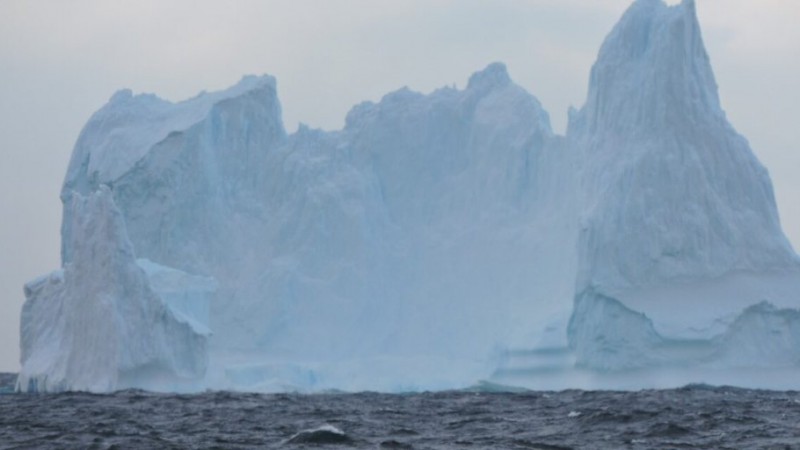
x,y
692,417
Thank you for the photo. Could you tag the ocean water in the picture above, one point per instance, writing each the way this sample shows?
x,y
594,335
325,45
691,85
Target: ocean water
x,y
691,417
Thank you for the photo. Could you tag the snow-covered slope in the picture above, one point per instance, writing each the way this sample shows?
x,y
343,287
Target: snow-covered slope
x,y
444,238
98,324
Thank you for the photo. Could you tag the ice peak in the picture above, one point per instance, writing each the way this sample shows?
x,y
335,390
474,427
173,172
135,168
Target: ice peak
x,y
652,125
121,95
647,4
253,82
495,74
652,70
663,4
652,26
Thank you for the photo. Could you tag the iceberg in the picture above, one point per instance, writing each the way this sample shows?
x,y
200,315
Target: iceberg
x,y
437,241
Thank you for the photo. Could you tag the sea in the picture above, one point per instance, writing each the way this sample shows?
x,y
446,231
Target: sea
x,y
695,416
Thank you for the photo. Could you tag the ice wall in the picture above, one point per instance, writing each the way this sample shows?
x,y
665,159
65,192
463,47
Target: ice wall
x,y
98,324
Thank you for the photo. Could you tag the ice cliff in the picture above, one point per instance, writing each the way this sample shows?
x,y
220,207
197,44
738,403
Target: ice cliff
x,y
436,240
100,324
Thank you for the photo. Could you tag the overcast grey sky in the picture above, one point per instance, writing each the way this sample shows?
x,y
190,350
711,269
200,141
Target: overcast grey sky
x,y
60,61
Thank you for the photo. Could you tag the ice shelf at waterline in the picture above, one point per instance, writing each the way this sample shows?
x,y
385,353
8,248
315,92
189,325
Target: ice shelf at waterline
x,y
435,242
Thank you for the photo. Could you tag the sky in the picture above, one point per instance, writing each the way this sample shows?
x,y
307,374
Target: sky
x,y
61,61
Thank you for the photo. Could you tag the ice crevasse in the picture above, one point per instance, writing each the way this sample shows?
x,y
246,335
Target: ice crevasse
x,y
434,242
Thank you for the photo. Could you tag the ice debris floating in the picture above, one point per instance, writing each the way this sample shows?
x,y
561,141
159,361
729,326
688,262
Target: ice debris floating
x,y
435,241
